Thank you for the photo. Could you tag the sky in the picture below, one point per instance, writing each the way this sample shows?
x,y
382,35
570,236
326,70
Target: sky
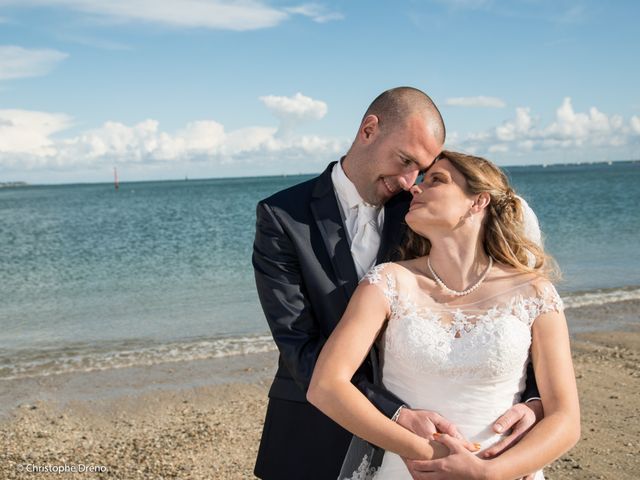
x,y
168,89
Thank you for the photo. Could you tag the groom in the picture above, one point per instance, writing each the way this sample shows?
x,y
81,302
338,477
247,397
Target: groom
x,y
313,242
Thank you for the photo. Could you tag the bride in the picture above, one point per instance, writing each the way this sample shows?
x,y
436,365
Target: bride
x,y
457,323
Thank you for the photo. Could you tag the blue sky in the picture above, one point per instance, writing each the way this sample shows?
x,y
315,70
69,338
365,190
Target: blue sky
x,y
208,88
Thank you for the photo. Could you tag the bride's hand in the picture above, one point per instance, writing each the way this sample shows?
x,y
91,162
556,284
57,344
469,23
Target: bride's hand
x,y
425,423
459,464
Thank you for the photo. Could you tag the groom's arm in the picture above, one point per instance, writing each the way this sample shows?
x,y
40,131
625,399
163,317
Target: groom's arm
x,y
531,226
383,399
288,311
284,302
531,388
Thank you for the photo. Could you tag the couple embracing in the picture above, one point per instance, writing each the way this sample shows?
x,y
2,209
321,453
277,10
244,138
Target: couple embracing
x,y
410,298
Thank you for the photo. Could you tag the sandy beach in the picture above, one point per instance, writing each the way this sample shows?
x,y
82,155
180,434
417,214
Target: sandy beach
x,y
202,419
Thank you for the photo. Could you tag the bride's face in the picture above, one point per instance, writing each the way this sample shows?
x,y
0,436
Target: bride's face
x,y
441,201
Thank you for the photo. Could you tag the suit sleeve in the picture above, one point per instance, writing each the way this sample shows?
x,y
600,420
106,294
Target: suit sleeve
x,y
283,299
288,312
383,399
531,388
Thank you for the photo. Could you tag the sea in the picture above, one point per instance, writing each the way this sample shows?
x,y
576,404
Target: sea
x,y
94,278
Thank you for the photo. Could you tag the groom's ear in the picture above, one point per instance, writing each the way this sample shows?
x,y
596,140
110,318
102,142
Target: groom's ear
x,y
369,127
481,202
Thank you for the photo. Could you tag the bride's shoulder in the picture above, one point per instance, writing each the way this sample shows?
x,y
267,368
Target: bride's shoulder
x,y
403,271
410,270
511,278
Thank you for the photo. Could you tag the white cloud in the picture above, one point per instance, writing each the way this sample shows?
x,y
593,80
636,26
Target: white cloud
x,y
595,127
116,140
27,132
568,130
517,128
18,62
32,142
525,145
27,142
498,148
215,14
296,108
292,111
486,102
316,12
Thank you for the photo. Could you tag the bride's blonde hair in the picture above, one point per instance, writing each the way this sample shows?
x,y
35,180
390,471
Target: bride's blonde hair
x,y
503,225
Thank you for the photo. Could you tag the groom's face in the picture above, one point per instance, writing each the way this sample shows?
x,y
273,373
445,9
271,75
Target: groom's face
x,y
396,155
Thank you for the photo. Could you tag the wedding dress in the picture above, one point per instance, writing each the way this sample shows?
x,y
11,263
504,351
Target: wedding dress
x,y
465,359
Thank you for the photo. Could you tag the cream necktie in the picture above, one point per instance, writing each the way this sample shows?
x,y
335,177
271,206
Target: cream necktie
x,y
365,239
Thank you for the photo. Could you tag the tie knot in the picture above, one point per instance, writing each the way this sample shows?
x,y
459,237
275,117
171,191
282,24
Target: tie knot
x,y
368,211
367,214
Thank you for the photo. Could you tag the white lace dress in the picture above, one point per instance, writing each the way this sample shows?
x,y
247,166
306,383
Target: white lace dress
x,y
465,361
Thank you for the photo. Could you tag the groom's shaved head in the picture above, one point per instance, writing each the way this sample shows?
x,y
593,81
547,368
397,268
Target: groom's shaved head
x,y
394,106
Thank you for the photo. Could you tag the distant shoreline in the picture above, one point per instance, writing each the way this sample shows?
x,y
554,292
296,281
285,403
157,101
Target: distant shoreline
x,y
13,184
303,174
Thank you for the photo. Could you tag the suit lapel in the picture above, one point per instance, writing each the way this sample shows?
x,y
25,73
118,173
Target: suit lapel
x,y
394,226
326,212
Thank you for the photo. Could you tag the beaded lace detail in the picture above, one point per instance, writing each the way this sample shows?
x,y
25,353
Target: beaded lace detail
x,y
364,471
475,340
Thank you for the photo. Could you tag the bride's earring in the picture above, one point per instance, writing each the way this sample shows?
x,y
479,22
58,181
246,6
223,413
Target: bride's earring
x,y
470,216
467,217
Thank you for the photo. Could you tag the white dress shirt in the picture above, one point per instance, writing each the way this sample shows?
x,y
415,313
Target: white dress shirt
x,y
363,221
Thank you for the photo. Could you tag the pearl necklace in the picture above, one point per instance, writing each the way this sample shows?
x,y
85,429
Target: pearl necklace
x,y
459,293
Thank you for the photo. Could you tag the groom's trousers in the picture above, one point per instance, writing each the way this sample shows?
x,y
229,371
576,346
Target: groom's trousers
x,y
316,445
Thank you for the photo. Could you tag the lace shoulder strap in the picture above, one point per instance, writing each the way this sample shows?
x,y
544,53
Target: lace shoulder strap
x,y
384,278
374,275
546,300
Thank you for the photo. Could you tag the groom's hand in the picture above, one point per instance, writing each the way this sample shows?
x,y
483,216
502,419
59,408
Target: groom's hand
x,y
519,419
425,423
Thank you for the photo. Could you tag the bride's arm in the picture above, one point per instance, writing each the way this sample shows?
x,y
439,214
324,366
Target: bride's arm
x,y
331,389
559,430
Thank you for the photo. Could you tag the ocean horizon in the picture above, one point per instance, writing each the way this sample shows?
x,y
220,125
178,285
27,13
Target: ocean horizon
x,y
19,183
160,271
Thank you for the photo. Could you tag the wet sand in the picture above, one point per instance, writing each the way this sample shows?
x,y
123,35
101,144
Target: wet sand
x,y
203,419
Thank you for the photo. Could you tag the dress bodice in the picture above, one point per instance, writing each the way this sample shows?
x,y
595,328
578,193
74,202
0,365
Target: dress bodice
x,y
466,361
486,339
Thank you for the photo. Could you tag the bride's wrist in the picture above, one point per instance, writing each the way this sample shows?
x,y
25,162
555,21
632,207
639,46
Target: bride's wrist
x,y
492,469
430,449
423,449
